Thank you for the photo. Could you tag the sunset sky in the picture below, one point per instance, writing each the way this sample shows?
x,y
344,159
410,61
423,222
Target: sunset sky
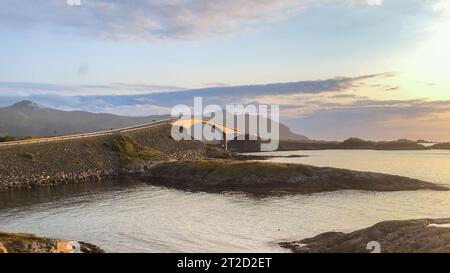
x,y
338,68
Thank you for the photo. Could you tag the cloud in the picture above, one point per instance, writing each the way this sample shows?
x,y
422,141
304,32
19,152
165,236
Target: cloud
x,y
154,19
375,2
47,89
119,94
138,110
296,98
442,6
378,120
323,109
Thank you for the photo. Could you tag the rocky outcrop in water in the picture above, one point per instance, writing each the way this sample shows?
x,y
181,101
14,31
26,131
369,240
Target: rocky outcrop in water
x,y
272,178
29,243
410,236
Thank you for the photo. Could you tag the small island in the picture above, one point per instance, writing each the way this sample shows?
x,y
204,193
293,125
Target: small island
x,y
253,177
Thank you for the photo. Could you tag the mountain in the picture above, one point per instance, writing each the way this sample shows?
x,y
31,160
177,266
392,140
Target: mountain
x,y
285,132
287,135
27,118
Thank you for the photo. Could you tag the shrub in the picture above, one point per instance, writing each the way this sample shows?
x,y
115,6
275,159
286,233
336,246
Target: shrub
x,y
129,150
7,139
30,156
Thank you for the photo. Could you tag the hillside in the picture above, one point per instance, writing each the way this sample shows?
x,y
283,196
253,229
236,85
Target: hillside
x,y
26,118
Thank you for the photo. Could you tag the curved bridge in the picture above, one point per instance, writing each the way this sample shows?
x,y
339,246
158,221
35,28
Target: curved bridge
x,y
86,135
183,122
189,122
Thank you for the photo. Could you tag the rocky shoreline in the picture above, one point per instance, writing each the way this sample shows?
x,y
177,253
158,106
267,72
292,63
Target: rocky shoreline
x,y
253,177
92,159
29,243
409,236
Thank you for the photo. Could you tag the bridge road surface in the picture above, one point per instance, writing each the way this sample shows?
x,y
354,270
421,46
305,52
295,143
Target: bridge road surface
x,y
85,135
180,122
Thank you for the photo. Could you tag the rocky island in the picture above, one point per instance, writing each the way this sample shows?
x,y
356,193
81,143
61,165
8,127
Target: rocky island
x,y
271,178
409,236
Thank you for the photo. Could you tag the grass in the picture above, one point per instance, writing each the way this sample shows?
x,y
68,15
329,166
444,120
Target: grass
x,y
30,156
74,162
229,168
11,138
130,151
7,139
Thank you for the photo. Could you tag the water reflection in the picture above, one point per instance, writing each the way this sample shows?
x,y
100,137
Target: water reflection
x,y
127,216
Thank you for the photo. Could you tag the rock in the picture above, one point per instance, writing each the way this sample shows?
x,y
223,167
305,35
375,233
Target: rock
x,y
3,248
272,178
409,236
29,243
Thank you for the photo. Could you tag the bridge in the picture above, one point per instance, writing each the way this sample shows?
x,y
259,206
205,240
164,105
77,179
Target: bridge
x,y
183,122
86,135
226,131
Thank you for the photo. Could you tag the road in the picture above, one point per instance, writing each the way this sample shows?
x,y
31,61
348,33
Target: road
x,y
86,135
187,123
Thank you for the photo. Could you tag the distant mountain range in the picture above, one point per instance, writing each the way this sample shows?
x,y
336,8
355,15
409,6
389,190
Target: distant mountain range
x,y
27,118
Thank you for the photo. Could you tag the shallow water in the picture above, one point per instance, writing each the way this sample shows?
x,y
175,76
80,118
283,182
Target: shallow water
x,y
128,216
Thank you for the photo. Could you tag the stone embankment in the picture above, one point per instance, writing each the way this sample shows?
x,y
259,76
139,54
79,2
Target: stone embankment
x,y
90,159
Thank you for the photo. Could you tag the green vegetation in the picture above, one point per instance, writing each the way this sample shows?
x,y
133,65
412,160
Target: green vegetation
x,y
401,144
354,141
230,168
30,156
74,162
216,152
7,139
29,138
11,138
130,151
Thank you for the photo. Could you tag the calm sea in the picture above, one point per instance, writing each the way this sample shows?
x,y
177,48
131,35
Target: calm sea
x,y
127,216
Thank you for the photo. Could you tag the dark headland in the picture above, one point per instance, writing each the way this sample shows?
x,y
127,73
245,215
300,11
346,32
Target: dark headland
x,y
409,236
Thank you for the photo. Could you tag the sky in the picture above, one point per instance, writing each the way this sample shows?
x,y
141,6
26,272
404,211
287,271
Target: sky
x,y
375,69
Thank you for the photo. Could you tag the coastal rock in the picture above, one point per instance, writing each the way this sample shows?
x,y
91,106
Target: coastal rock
x,y
409,236
29,243
272,178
